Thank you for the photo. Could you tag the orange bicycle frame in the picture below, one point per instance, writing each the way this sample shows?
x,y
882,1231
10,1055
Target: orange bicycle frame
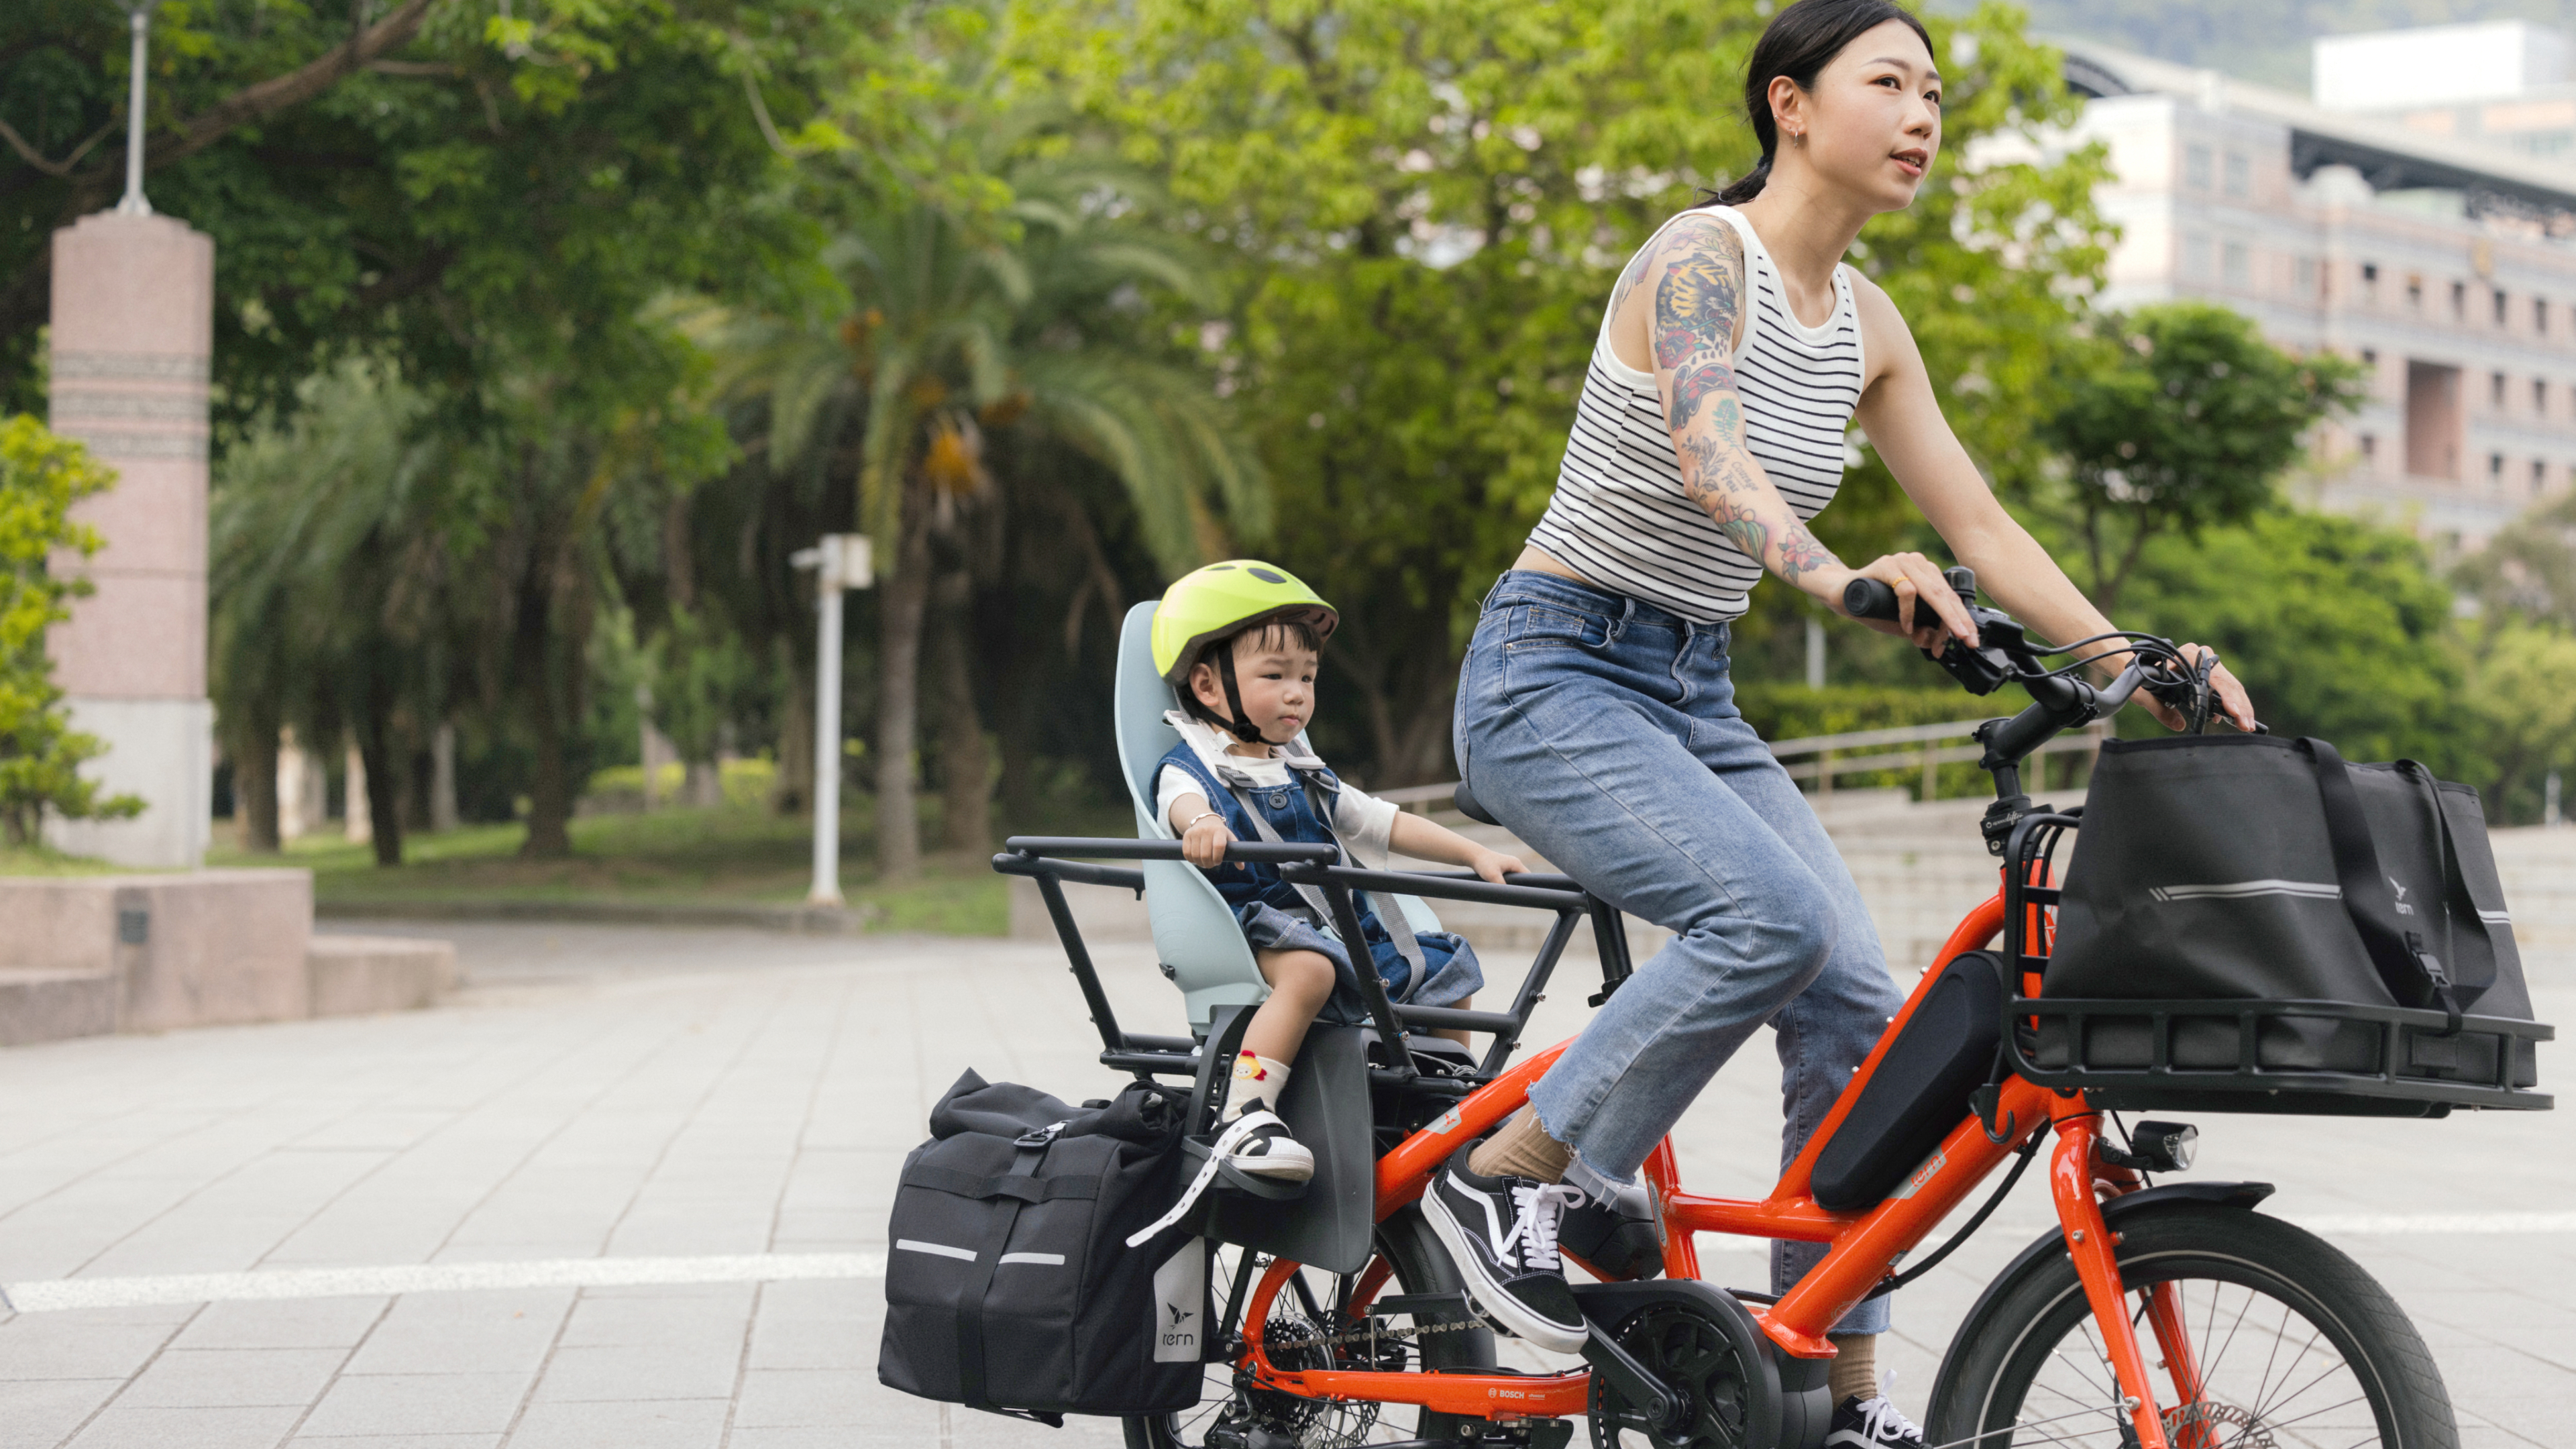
x,y
1864,1246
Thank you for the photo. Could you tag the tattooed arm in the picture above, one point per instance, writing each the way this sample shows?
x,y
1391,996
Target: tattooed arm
x,y
1684,301
1698,276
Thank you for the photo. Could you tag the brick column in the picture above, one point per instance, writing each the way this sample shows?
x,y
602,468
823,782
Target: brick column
x,y
133,332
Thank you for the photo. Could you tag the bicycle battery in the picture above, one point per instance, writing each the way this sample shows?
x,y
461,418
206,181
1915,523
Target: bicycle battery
x,y
1920,1089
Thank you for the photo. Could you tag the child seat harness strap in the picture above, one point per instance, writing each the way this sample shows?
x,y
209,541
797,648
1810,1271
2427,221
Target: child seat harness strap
x,y
1306,768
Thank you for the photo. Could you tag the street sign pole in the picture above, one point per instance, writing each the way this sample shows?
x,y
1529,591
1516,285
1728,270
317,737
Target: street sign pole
x,y
840,561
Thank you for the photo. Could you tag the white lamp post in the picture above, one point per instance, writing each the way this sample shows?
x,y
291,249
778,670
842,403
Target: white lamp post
x,y
139,14
840,561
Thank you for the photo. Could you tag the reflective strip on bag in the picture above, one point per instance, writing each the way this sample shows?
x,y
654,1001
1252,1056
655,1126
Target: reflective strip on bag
x,y
2239,890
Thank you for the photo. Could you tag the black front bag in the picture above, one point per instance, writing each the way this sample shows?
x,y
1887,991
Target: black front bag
x,y
1009,1282
2255,869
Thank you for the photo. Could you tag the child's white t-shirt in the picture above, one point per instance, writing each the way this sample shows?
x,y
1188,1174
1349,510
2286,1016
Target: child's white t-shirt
x,y
1365,822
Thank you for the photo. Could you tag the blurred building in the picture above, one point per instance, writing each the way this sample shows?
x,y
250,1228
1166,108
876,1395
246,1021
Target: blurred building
x,y
2445,261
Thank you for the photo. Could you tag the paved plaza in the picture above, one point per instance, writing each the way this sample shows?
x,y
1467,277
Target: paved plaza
x,y
629,1190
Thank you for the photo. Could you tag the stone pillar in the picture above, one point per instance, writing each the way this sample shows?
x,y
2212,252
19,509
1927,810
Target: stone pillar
x,y
133,331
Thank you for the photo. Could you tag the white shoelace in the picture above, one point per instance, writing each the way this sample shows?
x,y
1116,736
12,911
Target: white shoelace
x,y
1538,1211
1880,1420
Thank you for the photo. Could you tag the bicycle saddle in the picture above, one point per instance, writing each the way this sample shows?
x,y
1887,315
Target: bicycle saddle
x,y
1467,806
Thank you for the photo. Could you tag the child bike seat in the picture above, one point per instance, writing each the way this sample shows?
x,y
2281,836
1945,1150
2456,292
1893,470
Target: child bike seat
x,y
1195,937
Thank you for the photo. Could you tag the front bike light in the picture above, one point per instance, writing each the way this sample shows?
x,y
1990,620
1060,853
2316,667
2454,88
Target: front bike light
x,y
2154,1147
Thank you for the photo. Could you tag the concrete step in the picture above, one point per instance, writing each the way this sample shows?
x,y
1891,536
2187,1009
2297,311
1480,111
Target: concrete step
x,y
53,1005
357,975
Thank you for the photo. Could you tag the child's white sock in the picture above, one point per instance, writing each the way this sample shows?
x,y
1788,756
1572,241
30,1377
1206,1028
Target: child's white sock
x,y
1259,1082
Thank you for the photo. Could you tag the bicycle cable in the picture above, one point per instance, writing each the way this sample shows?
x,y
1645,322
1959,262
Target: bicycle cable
x,y
1890,1285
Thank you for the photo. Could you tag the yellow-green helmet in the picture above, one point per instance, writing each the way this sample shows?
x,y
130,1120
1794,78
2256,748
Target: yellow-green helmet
x,y
1217,600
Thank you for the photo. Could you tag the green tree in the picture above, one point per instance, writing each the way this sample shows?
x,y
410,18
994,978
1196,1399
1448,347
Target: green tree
x,y
337,599
41,477
2522,693
1426,205
2185,420
2338,627
963,338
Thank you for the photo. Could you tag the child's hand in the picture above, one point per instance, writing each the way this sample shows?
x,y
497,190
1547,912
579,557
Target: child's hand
x,y
1204,843
1493,865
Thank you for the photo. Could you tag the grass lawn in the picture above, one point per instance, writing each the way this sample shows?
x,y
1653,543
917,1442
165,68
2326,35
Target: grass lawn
x,y
730,854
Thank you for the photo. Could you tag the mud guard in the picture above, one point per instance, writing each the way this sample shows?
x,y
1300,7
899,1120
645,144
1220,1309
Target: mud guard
x,y
2052,1244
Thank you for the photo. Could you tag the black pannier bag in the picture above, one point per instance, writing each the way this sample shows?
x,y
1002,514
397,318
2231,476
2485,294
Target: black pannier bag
x,y
2250,871
1010,1285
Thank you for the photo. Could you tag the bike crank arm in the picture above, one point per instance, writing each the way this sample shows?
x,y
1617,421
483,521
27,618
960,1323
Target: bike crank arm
x,y
1667,1411
2089,1242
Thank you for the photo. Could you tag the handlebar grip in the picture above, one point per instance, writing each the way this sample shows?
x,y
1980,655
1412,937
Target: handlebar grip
x,y
1869,599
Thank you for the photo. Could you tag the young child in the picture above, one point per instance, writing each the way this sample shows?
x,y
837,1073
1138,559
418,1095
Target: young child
x,y
1240,642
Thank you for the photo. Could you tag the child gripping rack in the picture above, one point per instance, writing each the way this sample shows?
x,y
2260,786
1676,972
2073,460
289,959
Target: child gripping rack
x,y
1239,642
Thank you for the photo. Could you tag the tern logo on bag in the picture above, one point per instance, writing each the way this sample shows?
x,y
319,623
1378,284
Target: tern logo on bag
x,y
1180,1290
2403,909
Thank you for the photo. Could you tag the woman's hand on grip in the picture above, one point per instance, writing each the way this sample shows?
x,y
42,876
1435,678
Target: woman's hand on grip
x,y
2232,703
1929,612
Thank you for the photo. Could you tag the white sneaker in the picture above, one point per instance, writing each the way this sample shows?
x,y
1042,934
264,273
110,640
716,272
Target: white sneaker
x,y
1266,1150
1872,1423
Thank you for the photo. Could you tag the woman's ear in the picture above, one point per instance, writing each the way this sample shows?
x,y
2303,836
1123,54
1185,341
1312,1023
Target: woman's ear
x,y
1788,111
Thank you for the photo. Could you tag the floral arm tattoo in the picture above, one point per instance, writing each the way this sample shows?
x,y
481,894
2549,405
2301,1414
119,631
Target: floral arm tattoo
x,y
1697,300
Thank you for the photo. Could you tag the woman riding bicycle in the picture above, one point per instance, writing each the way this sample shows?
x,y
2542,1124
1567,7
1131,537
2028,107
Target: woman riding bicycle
x,y
1595,714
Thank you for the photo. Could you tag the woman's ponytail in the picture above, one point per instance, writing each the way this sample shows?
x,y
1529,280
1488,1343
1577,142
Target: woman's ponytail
x,y
1799,43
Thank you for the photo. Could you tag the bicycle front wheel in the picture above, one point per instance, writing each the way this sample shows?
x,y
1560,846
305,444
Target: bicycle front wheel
x,y
2258,1335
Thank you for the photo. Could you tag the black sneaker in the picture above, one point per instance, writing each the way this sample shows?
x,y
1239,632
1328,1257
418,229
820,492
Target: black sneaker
x,y
1502,1233
1266,1150
1871,1423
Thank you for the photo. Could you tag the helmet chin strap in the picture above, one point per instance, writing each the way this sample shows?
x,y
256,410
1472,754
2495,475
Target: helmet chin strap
x,y
1241,726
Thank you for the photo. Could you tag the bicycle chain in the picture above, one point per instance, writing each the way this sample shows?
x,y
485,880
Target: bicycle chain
x,y
1362,1335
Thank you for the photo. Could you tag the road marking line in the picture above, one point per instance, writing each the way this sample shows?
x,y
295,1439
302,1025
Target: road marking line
x,y
2405,1224
384,1281
56,1295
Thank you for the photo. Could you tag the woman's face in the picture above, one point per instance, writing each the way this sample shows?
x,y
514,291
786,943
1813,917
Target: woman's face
x,y
1873,120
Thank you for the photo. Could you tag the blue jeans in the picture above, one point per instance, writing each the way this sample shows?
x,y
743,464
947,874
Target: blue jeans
x,y
1604,733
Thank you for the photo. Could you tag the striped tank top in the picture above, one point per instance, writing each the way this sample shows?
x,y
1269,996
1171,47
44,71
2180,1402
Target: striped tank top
x,y
1619,517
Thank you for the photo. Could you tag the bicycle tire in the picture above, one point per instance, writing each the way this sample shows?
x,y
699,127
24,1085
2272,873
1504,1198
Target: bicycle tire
x,y
2022,1328
1420,1265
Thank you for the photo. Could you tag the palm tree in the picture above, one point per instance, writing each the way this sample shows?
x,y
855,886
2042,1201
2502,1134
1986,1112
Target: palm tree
x,y
959,328
331,591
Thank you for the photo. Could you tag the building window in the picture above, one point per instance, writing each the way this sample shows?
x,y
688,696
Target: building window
x,y
2540,396
2369,357
2195,167
2415,291
2495,472
2495,392
2459,300
2236,265
2307,274
2499,308
2369,448
2239,174
2539,476
2435,398
2539,317
2195,256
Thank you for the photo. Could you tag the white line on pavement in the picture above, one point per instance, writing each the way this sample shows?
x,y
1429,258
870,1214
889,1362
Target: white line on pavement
x,y
384,1281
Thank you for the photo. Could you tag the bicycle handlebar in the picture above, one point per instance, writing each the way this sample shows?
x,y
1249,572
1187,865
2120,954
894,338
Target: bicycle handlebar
x,y
2005,654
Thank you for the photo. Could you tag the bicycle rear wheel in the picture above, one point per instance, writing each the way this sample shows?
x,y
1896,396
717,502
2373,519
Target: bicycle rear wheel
x,y
1298,1333
2292,1342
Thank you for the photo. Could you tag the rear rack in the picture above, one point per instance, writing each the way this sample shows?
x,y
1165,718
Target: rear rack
x,y
1052,861
2121,1053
